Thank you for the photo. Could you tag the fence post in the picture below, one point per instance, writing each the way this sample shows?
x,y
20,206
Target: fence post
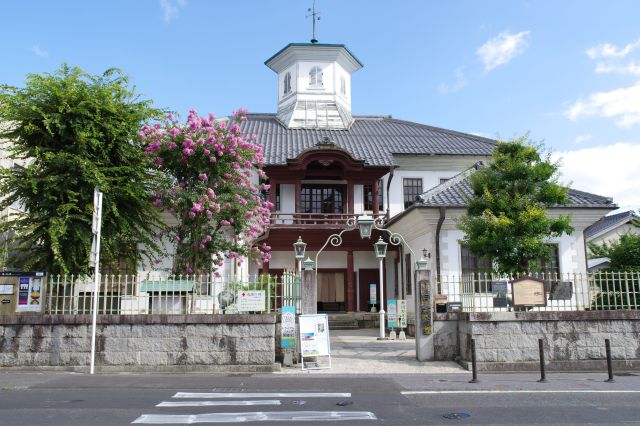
x,y
543,376
474,368
607,347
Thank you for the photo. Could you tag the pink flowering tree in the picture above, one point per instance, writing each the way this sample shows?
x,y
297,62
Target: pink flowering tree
x,y
212,189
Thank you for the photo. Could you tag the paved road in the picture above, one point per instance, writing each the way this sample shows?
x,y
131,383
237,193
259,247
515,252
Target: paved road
x,y
120,399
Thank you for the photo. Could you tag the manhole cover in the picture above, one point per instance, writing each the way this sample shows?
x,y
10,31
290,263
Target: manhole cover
x,y
456,416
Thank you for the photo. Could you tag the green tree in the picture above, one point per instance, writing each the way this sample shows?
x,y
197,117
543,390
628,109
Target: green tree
x,y
624,254
507,219
77,131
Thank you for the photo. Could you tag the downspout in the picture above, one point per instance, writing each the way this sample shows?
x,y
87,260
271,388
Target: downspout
x,y
443,211
388,187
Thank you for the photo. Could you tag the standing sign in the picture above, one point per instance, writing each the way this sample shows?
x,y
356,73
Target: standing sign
x,y
402,313
392,314
288,327
314,337
373,298
29,294
250,301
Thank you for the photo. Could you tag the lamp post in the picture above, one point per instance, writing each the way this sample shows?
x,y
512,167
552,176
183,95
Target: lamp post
x,y
299,248
380,249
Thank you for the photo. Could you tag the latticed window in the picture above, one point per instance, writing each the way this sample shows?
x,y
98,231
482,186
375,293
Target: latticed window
x,y
474,269
315,77
411,188
287,83
368,197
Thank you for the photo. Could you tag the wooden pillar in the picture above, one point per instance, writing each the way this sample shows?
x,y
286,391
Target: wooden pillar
x,y
272,194
265,267
375,198
350,198
351,287
297,196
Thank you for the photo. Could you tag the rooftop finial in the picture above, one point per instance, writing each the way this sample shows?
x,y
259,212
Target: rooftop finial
x,y
315,16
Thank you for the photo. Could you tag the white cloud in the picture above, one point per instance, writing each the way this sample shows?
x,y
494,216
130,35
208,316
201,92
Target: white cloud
x,y
171,9
582,139
622,104
502,48
39,52
608,50
610,171
630,68
458,84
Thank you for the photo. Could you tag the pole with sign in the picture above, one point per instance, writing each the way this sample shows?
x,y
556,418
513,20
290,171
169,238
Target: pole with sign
x,y
95,262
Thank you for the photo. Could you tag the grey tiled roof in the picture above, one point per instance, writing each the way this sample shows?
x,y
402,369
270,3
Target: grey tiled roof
x,y
609,222
455,192
373,139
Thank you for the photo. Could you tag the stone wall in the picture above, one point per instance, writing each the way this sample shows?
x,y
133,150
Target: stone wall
x,y
140,342
509,340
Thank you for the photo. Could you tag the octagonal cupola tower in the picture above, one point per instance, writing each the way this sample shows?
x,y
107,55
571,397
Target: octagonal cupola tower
x,y
314,85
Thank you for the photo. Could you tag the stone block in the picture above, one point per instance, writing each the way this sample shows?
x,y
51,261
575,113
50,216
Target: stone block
x,y
534,328
152,358
236,330
209,358
590,353
74,359
255,344
119,358
255,358
486,355
262,330
8,359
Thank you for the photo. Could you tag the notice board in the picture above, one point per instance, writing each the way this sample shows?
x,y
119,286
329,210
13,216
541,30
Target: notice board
x,y
314,335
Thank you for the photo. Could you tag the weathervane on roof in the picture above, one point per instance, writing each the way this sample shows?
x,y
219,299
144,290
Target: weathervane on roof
x,y
315,17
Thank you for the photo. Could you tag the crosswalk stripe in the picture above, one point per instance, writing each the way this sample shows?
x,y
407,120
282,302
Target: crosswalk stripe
x,y
217,403
260,395
258,416
450,392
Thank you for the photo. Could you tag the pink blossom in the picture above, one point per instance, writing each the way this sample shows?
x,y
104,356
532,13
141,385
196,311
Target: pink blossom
x,y
203,177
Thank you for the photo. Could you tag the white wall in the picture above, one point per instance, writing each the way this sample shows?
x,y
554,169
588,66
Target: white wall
x,y
429,180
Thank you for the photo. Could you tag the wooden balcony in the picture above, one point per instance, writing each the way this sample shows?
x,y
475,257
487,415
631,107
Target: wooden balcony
x,y
314,220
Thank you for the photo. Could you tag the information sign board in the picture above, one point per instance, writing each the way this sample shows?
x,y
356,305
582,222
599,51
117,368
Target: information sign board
x,y
29,294
314,335
250,301
402,313
499,290
528,291
373,299
392,314
288,327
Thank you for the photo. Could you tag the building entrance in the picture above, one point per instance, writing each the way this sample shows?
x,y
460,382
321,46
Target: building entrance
x,y
331,291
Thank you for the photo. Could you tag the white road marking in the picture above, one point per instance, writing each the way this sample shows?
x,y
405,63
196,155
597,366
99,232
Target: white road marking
x,y
260,395
258,416
453,392
217,403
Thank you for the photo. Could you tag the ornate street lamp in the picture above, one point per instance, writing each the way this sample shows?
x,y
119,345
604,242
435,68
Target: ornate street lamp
x,y
299,248
422,263
309,264
380,249
365,223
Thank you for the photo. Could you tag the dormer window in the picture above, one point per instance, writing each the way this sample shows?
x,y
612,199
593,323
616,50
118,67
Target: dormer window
x,y
287,83
343,85
315,77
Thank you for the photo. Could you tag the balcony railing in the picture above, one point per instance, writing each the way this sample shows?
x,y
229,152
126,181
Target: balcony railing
x,y
317,220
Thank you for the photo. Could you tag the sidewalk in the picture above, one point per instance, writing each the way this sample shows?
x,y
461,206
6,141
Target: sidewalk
x,y
359,352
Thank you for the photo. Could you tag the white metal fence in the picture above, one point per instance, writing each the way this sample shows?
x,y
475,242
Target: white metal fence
x,y
562,292
186,294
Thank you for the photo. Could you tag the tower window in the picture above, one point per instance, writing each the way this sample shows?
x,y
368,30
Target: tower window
x,y
343,85
287,83
315,77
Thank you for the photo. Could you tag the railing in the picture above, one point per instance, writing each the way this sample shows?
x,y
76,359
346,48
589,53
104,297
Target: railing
x,y
328,220
187,294
562,292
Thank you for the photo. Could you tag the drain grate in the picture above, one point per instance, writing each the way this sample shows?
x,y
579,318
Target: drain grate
x,y
456,416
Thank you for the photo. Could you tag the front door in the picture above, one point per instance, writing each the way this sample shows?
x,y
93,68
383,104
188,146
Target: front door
x,y
331,295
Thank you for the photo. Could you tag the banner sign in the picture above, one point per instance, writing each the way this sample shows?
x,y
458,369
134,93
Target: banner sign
x,y
314,335
29,294
250,301
373,298
402,313
392,314
288,327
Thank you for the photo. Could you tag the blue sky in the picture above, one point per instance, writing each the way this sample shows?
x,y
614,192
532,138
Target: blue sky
x,y
566,71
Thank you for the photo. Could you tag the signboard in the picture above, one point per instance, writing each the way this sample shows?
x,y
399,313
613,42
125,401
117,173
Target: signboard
x,y
373,298
29,294
402,313
562,290
528,291
288,327
392,314
250,301
499,290
6,288
314,335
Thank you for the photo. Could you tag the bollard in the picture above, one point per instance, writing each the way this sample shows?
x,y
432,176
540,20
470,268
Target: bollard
x,y
474,369
607,347
543,376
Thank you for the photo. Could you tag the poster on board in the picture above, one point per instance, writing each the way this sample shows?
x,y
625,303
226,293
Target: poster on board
x,y
29,294
392,314
314,335
402,313
251,301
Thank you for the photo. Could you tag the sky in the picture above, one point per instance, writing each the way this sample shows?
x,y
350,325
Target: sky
x,y
565,72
